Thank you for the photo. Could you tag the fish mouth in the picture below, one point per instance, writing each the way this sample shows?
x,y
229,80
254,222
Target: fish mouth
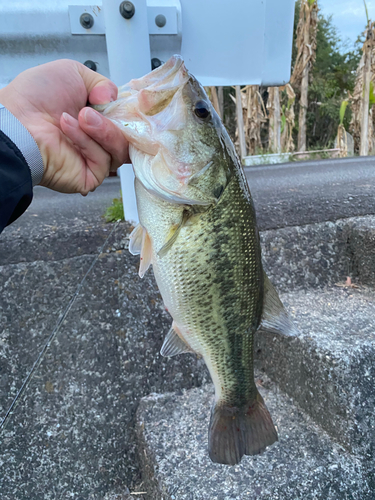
x,y
170,74
152,113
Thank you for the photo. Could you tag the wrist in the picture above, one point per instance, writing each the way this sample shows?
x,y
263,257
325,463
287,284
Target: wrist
x,y
14,128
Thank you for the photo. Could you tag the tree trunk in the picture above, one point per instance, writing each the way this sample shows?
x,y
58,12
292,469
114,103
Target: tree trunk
x,y
215,100
240,124
304,91
363,151
273,106
220,95
287,143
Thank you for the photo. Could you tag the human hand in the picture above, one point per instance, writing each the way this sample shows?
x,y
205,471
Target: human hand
x,y
50,101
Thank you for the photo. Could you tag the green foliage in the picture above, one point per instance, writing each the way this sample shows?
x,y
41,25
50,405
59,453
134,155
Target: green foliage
x,y
343,107
368,19
283,120
332,79
115,212
371,95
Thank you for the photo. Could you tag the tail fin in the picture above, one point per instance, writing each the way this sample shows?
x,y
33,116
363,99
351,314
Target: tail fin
x,y
235,432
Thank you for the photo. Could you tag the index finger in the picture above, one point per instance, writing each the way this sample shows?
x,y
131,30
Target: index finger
x,y
107,134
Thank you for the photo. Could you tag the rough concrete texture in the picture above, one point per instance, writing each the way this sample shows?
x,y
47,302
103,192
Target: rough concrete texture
x,y
303,464
361,249
329,369
54,242
71,435
317,255
306,256
57,226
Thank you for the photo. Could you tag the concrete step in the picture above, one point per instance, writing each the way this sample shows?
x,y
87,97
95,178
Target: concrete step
x,y
303,464
71,435
72,432
329,369
317,255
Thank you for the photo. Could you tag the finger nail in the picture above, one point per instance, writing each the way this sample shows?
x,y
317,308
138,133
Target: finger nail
x,y
109,94
92,118
67,118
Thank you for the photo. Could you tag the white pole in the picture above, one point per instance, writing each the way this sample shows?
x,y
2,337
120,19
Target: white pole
x,y
128,48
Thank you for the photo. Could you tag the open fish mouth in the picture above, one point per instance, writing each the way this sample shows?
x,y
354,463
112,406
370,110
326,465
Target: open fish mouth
x,y
155,113
170,74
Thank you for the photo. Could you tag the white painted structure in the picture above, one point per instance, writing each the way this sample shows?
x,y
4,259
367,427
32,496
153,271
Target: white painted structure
x,y
223,42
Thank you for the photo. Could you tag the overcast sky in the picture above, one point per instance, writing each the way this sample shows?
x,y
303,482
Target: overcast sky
x,y
348,16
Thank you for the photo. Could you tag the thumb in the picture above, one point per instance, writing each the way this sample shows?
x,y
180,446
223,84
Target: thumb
x,y
99,88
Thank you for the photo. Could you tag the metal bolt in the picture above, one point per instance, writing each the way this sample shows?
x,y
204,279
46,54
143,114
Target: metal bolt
x,y
160,20
86,20
155,63
127,10
90,64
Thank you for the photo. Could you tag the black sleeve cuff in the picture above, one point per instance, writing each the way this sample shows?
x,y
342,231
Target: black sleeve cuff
x,y
16,190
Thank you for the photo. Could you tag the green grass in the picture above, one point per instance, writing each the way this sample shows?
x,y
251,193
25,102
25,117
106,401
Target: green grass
x,y
115,212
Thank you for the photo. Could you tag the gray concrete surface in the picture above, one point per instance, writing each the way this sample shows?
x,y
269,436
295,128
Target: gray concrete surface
x,y
329,369
72,434
288,194
307,192
58,226
303,464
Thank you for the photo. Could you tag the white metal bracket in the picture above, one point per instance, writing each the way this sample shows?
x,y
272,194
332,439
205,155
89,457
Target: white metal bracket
x,y
169,15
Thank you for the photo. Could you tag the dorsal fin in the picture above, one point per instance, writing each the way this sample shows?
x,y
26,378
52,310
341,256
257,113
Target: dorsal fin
x,y
275,318
174,343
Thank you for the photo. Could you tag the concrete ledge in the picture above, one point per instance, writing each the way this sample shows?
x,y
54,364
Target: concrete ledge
x,y
304,464
56,243
329,369
73,432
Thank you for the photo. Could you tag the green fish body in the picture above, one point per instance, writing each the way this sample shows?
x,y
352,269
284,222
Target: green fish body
x,y
198,230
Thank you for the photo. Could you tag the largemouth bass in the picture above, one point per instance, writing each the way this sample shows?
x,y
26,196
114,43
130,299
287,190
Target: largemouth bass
x,y
198,230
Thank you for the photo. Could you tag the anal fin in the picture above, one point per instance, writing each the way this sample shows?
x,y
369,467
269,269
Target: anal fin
x,y
174,343
275,317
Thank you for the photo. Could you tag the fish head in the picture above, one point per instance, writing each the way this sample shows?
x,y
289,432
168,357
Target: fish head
x,y
178,145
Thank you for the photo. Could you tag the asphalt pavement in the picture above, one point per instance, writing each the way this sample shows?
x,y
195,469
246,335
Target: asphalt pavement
x,y
52,208
287,194
299,193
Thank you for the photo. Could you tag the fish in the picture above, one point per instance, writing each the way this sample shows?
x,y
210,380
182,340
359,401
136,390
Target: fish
x,y
197,228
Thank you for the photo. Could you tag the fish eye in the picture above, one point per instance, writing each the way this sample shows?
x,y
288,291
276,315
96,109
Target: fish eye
x,y
202,110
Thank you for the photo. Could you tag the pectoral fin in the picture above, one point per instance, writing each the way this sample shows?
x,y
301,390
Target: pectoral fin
x,y
146,254
173,234
140,244
275,318
136,237
174,343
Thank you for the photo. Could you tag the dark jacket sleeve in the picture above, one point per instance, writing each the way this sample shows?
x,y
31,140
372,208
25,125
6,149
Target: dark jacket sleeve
x,y
16,191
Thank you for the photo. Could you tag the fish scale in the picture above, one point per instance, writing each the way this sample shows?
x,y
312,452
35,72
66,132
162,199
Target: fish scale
x,y
214,272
